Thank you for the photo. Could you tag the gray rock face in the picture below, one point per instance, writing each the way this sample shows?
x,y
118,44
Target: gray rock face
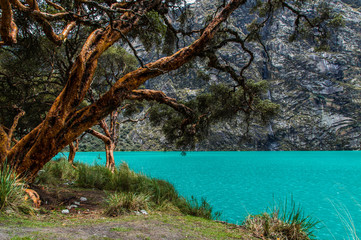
x,y
353,3
319,92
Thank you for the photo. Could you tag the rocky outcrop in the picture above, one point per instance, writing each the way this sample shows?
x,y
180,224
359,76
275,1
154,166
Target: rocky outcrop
x,y
319,92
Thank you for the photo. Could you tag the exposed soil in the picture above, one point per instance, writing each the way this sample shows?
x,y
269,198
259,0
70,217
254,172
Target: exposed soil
x,y
55,198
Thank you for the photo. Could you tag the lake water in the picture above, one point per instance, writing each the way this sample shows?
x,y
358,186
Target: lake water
x,y
326,184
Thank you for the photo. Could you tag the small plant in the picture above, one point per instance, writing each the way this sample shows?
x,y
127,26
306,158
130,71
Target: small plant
x,y
286,223
120,203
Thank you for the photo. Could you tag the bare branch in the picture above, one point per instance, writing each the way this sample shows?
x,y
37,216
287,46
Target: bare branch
x,y
134,120
103,124
97,134
298,13
56,6
159,96
13,127
3,144
131,47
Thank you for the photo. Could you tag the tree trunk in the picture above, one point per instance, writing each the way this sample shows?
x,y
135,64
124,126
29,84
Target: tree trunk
x,y
109,138
109,149
72,151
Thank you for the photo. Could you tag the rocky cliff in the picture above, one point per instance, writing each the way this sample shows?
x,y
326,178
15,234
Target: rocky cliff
x,y
319,92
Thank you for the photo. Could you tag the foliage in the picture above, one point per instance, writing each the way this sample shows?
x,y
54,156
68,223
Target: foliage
x,y
12,191
30,87
151,30
114,62
218,104
286,223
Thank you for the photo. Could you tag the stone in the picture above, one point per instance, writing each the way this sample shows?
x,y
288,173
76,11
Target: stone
x,y
9,211
83,199
72,206
65,211
144,212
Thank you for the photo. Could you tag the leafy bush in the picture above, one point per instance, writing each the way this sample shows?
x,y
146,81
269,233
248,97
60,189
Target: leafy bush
x,y
12,192
120,203
283,223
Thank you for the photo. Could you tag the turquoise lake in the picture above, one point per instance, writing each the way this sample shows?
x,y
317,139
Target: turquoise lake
x,y
326,184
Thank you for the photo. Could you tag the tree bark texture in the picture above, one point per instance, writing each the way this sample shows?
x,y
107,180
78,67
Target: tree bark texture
x,y
73,148
64,121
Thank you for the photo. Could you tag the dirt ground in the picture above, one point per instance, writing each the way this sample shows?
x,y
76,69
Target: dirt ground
x,y
88,222
138,229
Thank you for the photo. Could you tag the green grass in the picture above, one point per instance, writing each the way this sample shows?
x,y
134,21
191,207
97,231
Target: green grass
x,y
22,238
193,207
120,229
56,172
127,185
192,227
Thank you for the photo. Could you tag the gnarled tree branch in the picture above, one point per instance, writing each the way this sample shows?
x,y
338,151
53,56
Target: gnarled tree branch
x,y
13,127
160,97
8,28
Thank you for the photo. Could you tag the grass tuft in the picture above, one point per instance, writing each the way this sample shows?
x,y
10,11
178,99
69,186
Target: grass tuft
x,y
289,222
12,192
122,203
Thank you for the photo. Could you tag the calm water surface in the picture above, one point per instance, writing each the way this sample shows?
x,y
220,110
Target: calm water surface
x,y
326,184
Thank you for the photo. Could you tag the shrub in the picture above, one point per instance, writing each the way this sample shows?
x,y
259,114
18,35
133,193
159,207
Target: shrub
x,y
283,224
121,203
